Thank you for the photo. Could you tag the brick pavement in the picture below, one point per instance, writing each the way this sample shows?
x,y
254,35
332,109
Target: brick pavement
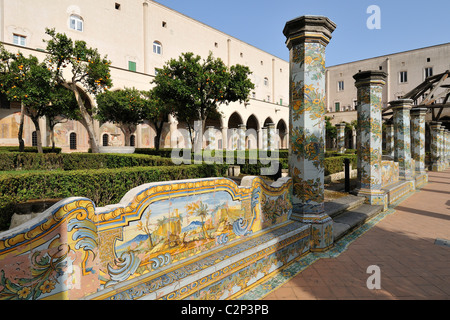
x,y
402,245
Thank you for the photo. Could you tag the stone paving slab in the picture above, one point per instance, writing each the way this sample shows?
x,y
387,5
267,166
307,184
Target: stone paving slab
x,y
400,241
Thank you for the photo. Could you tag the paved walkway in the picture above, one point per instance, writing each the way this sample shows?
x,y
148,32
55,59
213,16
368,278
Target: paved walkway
x,y
402,245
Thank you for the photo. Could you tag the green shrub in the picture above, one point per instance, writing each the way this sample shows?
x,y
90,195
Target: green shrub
x,y
103,186
336,164
30,149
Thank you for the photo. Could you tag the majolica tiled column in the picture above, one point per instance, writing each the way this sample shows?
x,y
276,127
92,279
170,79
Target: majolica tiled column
x,y
402,136
369,86
390,139
271,136
265,137
447,147
434,133
441,148
418,138
340,137
241,131
210,138
307,38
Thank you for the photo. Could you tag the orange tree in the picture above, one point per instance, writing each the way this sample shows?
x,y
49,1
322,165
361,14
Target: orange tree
x,y
87,70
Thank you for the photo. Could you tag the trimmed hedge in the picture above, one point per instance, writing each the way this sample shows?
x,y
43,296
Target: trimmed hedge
x,y
336,164
167,153
103,186
30,149
10,161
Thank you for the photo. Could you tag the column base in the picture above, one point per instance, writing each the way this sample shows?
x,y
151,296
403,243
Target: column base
x,y
375,197
321,229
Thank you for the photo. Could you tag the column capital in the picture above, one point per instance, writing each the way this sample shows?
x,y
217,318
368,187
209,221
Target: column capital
x,y
435,124
370,77
308,29
341,124
401,104
418,111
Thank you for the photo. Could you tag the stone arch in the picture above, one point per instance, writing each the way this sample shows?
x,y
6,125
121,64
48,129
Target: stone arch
x,y
282,134
251,139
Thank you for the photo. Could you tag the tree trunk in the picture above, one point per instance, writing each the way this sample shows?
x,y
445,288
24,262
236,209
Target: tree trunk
x,y
20,135
38,133
86,121
158,133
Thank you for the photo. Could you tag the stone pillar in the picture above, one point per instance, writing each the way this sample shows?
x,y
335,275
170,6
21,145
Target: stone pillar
x,y
447,148
441,148
234,139
434,132
340,137
369,86
173,127
188,138
241,131
224,138
265,137
307,38
390,139
402,136
271,137
418,138
210,138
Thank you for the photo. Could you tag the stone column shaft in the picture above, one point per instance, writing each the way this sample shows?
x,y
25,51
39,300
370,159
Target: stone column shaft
x,y
434,132
390,139
402,136
369,86
271,136
340,137
418,141
307,38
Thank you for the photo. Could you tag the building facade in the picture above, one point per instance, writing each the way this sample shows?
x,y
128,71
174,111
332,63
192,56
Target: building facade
x,y
406,70
139,37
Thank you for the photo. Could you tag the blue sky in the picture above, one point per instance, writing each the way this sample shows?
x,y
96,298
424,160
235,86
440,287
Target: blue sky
x,y
405,25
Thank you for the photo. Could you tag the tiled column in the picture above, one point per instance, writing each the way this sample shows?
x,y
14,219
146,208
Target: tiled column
x,y
340,137
447,148
390,139
271,137
418,138
210,138
402,136
369,86
441,148
434,132
307,38
265,137
242,129
224,138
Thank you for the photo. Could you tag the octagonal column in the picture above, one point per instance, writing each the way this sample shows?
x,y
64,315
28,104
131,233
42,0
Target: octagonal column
x,y
271,136
390,139
241,131
340,137
307,38
441,147
434,132
210,138
418,138
402,136
369,86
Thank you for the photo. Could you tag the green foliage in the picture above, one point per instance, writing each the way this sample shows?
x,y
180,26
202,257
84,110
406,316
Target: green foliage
x,y
336,164
11,161
103,186
196,88
29,149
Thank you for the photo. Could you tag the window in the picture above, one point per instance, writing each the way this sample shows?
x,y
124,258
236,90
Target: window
x,y
403,76
76,23
34,139
216,44
253,95
266,81
341,86
164,24
19,40
428,72
157,47
133,141
117,6
428,59
73,141
262,62
132,66
105,139
337,107
355,104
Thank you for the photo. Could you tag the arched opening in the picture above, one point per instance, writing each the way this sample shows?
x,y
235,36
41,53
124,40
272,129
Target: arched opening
x,y
73,141
282,134
34,139
251,140
234,122
105,139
